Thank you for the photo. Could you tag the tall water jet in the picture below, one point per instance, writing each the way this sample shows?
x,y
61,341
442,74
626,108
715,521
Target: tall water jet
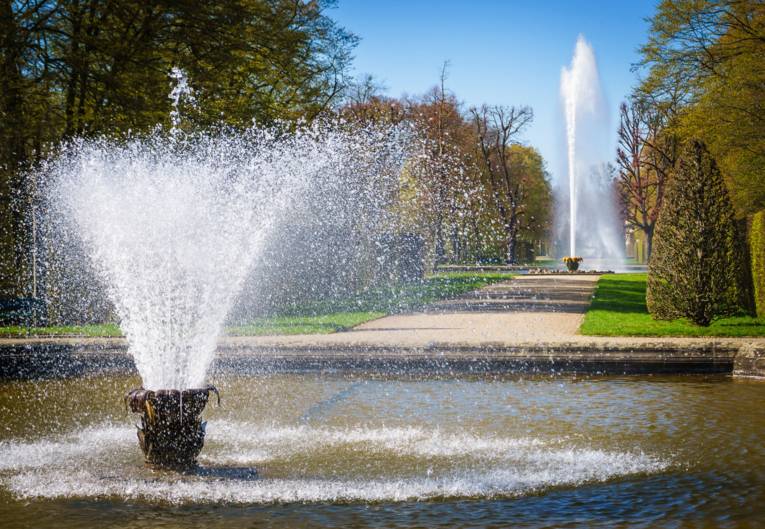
x,y
593,226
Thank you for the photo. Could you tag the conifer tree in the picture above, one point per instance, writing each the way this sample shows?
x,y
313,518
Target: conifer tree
x,y
694,267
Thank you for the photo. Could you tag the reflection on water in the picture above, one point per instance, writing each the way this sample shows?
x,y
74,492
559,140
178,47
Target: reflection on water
x,y
319,450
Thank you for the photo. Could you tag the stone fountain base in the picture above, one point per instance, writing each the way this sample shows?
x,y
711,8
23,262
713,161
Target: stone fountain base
x,y
171,433
558,271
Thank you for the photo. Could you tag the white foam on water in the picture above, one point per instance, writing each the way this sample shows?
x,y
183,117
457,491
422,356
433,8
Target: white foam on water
x,y
79,466
505,482
259,442
88,443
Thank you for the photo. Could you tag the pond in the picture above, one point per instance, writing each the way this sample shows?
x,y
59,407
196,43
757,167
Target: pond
x,y
356,450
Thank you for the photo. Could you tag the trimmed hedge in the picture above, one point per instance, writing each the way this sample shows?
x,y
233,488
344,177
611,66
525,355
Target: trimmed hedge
x,y
694,270
757,252
745,280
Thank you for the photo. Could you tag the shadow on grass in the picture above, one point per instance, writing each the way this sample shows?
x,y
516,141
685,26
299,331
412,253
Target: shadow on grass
x,y
617,295
750,323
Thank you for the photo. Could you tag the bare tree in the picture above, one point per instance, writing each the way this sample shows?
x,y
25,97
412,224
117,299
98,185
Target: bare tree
x,y
365,89
440,100
645,155
497,128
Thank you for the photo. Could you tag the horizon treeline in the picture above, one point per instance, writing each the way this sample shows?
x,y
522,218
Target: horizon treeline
x,y
85,68
483,196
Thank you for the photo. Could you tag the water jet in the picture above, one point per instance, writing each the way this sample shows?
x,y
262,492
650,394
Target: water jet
x,y
173,223
593,226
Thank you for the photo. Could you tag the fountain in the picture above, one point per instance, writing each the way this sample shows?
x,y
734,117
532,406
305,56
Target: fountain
x,y
593,225
172,223
171,433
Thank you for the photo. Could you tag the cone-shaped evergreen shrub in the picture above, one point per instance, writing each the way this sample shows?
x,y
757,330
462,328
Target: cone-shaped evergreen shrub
x,y
757,251
694,265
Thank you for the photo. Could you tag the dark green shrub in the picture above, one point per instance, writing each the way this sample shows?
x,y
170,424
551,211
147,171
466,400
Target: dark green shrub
x,y
757,252
694,267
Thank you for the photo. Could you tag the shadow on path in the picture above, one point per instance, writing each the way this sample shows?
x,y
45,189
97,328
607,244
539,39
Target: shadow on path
x,y
542,294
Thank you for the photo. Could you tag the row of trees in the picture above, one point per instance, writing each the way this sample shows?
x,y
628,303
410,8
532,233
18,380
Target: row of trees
x,y
704,66
87,67
481,194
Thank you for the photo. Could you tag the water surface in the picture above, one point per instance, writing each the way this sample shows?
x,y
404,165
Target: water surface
x,y
330,450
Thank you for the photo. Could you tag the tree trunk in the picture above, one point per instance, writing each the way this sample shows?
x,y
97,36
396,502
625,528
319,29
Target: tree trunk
x,y
477,241
440,247
454,239
13,148
511,233
510,257
86,50
74,59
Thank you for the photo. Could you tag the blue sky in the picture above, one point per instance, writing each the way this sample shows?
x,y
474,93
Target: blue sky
x,y
501,52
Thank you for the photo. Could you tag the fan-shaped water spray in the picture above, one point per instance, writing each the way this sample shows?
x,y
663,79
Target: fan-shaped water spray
x,y
172,222
593,226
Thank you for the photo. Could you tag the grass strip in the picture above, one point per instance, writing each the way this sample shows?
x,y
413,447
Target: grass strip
x,y
618,309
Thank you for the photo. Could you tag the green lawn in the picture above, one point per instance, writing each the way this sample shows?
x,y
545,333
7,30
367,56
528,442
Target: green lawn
x,y
105,329
318,318
320,324
619,309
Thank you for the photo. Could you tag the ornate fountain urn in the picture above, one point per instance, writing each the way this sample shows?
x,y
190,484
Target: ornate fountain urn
x,y
172,432
572,263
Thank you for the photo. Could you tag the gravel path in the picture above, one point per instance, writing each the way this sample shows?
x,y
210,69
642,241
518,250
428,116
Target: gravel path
x,y
525,309
527,312
528,323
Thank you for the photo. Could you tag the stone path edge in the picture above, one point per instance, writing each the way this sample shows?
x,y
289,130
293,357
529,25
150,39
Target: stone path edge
x,y
28,359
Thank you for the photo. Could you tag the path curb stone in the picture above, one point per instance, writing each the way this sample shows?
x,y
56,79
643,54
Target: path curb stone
x,y
50,360
750,362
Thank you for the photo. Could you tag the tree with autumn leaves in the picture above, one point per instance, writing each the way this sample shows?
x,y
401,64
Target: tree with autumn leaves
x,y
85,68
479,193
